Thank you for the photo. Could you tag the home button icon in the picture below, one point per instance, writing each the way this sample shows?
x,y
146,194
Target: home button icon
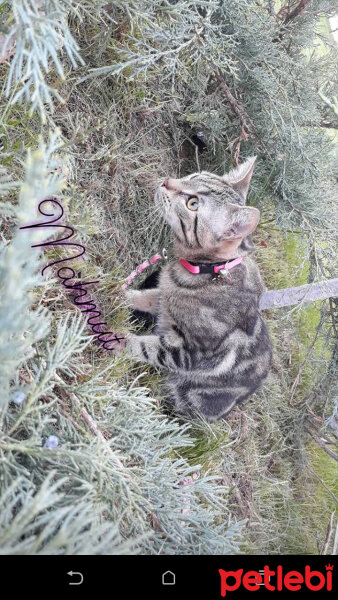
x,y
168,578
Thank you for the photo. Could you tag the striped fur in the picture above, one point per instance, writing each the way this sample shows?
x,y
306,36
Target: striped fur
x,y
210,336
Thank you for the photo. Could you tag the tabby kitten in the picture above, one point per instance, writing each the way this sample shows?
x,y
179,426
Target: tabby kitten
x,y
209,334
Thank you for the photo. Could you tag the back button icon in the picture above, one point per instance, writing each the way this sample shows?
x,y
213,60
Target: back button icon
x,y
78,578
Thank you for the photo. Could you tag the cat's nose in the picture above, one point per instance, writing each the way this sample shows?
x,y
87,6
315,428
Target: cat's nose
x,y
171,184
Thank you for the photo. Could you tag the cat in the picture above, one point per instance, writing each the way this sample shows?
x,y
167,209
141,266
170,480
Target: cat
x,y
210,336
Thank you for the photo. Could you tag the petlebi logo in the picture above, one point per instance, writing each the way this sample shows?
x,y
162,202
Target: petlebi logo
x,y
276,580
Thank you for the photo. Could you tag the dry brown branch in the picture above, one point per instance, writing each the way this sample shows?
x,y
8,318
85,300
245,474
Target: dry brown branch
x,y
334,498
328,535
246,122
288,13
320,443
335,543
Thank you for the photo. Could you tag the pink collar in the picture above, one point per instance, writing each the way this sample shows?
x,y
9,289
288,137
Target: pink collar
x,y
212,268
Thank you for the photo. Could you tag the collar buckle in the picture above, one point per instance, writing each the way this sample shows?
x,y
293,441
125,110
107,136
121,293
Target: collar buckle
x,y
224,272
206,269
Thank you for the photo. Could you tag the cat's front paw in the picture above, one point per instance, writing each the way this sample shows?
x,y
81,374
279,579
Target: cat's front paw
x,y
132,297
144,300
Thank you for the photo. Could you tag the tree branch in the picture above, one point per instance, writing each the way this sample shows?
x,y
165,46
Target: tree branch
x,y
321,444
325,124
246,122
328,534
299,8
304,293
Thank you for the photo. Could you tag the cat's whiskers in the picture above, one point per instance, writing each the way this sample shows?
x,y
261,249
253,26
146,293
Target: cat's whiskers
x,y
154,215
150,220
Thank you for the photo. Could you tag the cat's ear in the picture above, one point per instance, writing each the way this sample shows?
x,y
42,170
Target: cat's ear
x,y
240,177
241,221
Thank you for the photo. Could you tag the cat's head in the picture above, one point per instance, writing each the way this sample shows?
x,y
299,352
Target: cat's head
x,y
207,212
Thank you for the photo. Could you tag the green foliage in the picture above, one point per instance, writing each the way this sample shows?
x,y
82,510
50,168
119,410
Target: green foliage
x,y
150,75
115,479
39,32
21,328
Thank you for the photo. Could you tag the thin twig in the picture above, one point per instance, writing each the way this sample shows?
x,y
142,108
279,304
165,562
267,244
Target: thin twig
x,y
321,444
323,484
335,543
92,426
246,122
328,534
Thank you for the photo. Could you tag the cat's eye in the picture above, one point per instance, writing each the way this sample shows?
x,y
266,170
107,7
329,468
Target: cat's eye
x,y
192,203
